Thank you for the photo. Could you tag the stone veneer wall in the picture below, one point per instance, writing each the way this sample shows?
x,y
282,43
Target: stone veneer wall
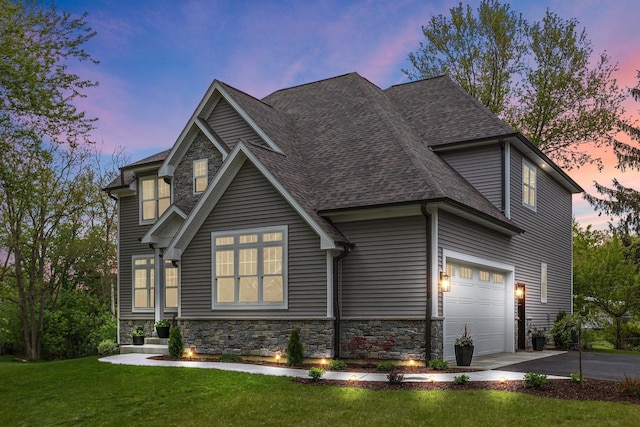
x,y
408,335
437,338
127,326
257,337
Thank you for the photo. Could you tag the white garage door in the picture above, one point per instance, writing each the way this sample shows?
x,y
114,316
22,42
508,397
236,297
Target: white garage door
x,y
477,300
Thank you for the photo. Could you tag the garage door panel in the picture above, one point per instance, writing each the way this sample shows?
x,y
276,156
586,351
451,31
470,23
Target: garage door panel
x,y
480,305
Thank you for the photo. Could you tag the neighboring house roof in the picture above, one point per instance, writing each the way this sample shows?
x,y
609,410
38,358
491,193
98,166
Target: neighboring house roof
x,y
343,143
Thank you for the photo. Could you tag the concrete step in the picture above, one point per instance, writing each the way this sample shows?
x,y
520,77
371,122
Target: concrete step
x,y
145,349
155,340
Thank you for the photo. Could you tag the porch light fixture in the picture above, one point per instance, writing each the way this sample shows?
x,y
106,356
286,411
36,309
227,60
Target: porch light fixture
x,y
445,283
277,357
353,378
519,291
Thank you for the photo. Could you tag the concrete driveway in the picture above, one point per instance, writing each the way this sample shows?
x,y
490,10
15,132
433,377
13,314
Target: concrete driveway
x,y
599,366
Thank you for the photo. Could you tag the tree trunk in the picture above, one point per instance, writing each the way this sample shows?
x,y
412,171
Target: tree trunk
x,y
618,333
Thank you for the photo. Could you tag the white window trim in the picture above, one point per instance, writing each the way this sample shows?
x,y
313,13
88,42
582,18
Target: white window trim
x,y
205,176
532,167
135,309
285,280
544,284
140,199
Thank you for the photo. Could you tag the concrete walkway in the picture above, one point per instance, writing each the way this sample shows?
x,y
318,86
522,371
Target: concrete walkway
x,y
489,364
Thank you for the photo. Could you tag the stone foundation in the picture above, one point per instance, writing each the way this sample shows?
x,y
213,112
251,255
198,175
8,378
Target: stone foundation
x,y
257,337
126,326
383,339
437,338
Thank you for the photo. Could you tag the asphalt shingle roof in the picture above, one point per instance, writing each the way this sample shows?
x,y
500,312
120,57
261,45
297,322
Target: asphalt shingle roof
x,y
348,144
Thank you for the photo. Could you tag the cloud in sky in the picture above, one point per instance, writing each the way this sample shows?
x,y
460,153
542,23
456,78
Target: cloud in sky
x,y
159,57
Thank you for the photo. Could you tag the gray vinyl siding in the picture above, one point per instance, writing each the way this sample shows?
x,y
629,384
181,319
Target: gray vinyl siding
x,y
230,126
385,274
482,167
129,245
548,239
251,202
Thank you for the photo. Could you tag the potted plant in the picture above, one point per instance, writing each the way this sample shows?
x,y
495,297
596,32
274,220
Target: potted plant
x,y
464,348
538,338
138,335
162,327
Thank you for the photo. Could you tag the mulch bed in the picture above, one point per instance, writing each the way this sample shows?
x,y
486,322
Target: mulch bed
x,y
606,391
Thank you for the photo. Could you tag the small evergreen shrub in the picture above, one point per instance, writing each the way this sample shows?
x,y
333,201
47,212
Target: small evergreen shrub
x,y
107,347
295,352
438,364
461,379
533,380
316,374
337,365
176,346
395,377
230,358
630,386
386,366
575,377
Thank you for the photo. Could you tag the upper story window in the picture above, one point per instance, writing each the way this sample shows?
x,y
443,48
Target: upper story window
x,y
200,175
529,192
155,198
249,268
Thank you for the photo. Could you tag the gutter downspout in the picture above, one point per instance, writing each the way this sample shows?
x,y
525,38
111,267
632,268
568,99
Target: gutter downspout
x,y
428,313
336,299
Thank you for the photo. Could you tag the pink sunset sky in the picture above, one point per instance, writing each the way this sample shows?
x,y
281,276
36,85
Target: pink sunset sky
x,y
157,58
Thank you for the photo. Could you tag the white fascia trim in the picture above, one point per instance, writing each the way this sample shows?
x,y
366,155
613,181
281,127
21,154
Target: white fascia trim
x,y
205,204
168,168
216,189
248,119
326,242
205,130
150,236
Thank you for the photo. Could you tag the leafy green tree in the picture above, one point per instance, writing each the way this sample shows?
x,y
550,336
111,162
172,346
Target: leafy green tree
x,y
606,274
44,178
540,77
620,202
482,52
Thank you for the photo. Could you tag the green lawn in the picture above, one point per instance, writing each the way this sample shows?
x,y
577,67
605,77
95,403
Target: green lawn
x,y
87,392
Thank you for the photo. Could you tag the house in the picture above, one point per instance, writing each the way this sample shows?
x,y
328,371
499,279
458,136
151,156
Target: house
x,y
336,207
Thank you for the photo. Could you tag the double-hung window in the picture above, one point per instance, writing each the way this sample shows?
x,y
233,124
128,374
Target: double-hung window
x,y
155,198
249,268
170,285
529,196
144,283
200,176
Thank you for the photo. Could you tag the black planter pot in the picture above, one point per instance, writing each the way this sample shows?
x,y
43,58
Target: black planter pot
x,y
538,343
163,331
464,354
138,340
